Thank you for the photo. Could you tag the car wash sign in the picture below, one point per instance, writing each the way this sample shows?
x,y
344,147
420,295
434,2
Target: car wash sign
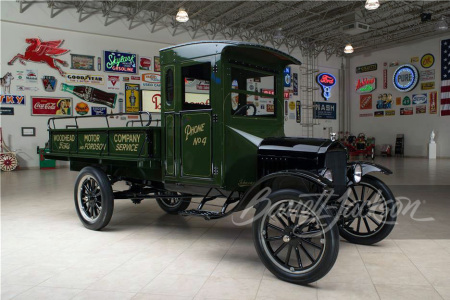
x,y
119,62
405,78
366,84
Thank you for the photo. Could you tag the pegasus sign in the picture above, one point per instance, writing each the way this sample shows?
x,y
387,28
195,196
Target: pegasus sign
x,y
43,52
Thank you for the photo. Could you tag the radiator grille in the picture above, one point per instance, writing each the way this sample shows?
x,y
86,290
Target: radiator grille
x,y
337,162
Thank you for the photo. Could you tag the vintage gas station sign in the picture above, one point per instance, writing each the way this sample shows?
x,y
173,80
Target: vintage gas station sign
x,y
405,78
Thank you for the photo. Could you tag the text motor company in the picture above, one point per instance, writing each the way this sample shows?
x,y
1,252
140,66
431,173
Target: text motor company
x,y
120,142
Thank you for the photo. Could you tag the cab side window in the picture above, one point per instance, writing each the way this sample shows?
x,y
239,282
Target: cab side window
x,y
170,86
253,93
196,81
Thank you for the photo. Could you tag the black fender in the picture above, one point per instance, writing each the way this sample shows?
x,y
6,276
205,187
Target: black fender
x,y
368,167
291,179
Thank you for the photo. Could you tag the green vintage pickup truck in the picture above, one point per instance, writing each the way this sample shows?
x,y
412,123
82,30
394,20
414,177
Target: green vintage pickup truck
x,y
222,137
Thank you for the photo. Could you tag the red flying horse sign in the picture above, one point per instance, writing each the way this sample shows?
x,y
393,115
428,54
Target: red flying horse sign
x,y
43,52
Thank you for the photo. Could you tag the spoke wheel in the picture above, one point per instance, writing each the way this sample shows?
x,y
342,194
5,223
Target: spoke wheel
x,y
8,162
93,198
294,238
369,212
173,205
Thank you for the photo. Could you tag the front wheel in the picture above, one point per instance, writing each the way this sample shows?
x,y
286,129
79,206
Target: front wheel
x,y
172,205
295,238
94,200
370,212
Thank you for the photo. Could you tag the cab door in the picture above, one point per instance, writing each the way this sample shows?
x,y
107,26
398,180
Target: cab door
x,y
195,130
191,157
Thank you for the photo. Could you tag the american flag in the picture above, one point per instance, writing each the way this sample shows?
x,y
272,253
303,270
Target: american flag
x,y
445,77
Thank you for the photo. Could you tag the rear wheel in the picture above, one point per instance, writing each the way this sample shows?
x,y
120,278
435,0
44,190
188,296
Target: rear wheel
x,y
173,205
370,212
94,200
296,239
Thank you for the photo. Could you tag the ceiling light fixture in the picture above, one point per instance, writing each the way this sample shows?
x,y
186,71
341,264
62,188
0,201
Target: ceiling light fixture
x,y
442,24
348,49
278,34
182,15
372,4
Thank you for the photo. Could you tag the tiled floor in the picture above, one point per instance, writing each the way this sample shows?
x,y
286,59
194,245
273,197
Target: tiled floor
x,y
146,254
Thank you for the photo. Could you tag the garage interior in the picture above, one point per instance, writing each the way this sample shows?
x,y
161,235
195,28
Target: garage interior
x,y
145,253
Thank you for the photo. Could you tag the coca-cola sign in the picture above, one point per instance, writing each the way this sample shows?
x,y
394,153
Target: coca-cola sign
x,y
49,106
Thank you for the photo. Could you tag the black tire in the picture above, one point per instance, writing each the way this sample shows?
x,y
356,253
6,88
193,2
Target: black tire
x,y
379,207
290,263
173,205
94,199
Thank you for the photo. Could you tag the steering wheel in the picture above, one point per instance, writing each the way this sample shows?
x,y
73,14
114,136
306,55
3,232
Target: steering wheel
x,y
241,110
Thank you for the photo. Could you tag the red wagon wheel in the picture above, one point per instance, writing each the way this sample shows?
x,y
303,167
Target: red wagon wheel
x,y
8,162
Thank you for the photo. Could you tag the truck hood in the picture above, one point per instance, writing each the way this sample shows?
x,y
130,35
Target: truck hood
x,y
294,146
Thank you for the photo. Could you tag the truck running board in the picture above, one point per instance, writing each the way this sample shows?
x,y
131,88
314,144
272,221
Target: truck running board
x,y
208,215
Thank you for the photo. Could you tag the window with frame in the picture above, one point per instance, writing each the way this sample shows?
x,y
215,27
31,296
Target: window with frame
x,y
253,93
196,84
170,87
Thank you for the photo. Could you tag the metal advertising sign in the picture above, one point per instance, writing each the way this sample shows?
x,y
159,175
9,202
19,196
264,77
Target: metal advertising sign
x,y
427,85
21,88
366,68
366,115
406,101
86,79
406,111
82,62
326,81
156,64
50,106
295,83
82,108
113,82
6,111
42,52
49,83
132,98
390,112
151,80
145,63
427,60
421,109
419,99
384,101
427,75
405,78
12,99
287,77
365,101
385,79
366,84
398,101
378,114
120,62
298,111
98,110
31,76
325,110
433,102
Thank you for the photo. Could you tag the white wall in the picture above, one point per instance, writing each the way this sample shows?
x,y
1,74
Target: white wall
x,y
89,37
416,128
